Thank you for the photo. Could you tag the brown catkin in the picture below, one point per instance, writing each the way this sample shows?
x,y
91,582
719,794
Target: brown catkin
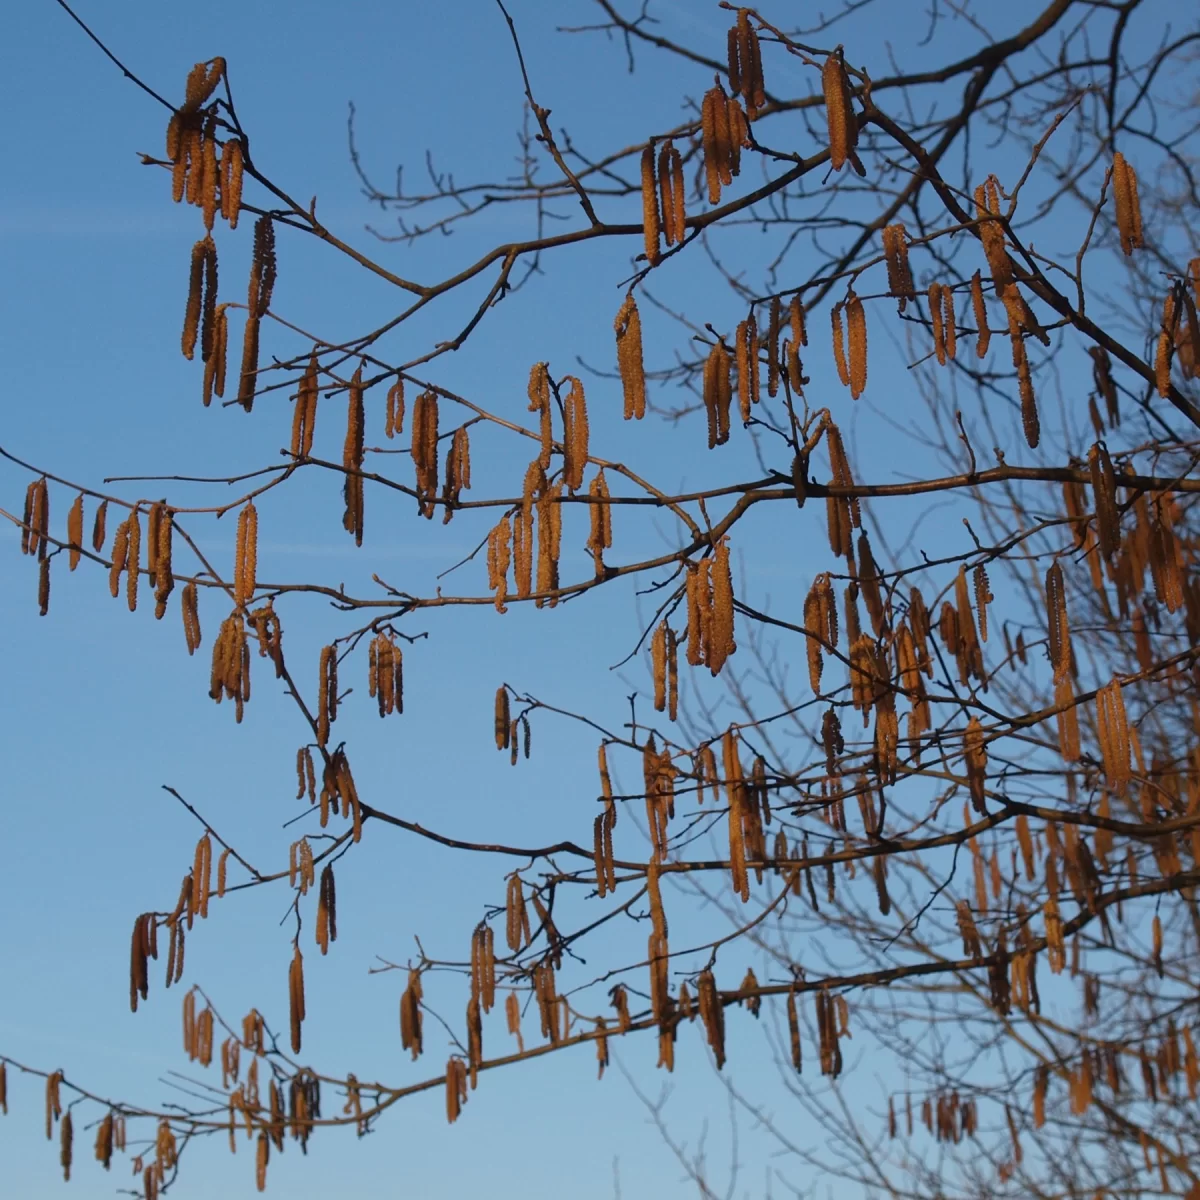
x,y
1129,212
246,556
539,402
191,618
658,663
746,352
98,526
1059,643
983,335
575,434
1029,413
899,272
650,218
425,450
673,193
839,112
839,343
352,459
214,364
719,639
327,693
856,325
717,394
718,145
394,423
296,997
503,718
232,165
628,327
304,414
1165,345
949,323
75,531
191,319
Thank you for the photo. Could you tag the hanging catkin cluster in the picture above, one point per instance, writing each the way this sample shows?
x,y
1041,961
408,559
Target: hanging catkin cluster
x,y
499,556
394,416
411,1015
746,349
192,148
821,625
160,527
385,675
258,301
899,273
628,327
718,393
745,64
600,512
575,434
839,114
201,313
326,910
710,610
425,451
665,667
352,458
35,524
723,132
458,471
941,315
231,664
327,693
843,513
304,415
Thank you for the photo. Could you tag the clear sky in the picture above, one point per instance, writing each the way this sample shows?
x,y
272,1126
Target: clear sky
x,y
104,707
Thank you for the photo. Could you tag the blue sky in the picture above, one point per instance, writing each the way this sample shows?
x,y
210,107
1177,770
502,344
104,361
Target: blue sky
x,y
105,706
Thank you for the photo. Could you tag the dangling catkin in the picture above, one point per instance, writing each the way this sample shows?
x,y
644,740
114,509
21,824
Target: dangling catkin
x,y
839,343
650,221
575,434
232,163
1129,211
425,450
1029,413
899,272
839,112
1112,727
856,323
716,142
628,327
745,63
503,718
296,997
304,414
720,638
352,459
327,693
458,471
395,409
717,393
600,512
672,191
246,557
983,335
214,364
1165,345
191,619
746,344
